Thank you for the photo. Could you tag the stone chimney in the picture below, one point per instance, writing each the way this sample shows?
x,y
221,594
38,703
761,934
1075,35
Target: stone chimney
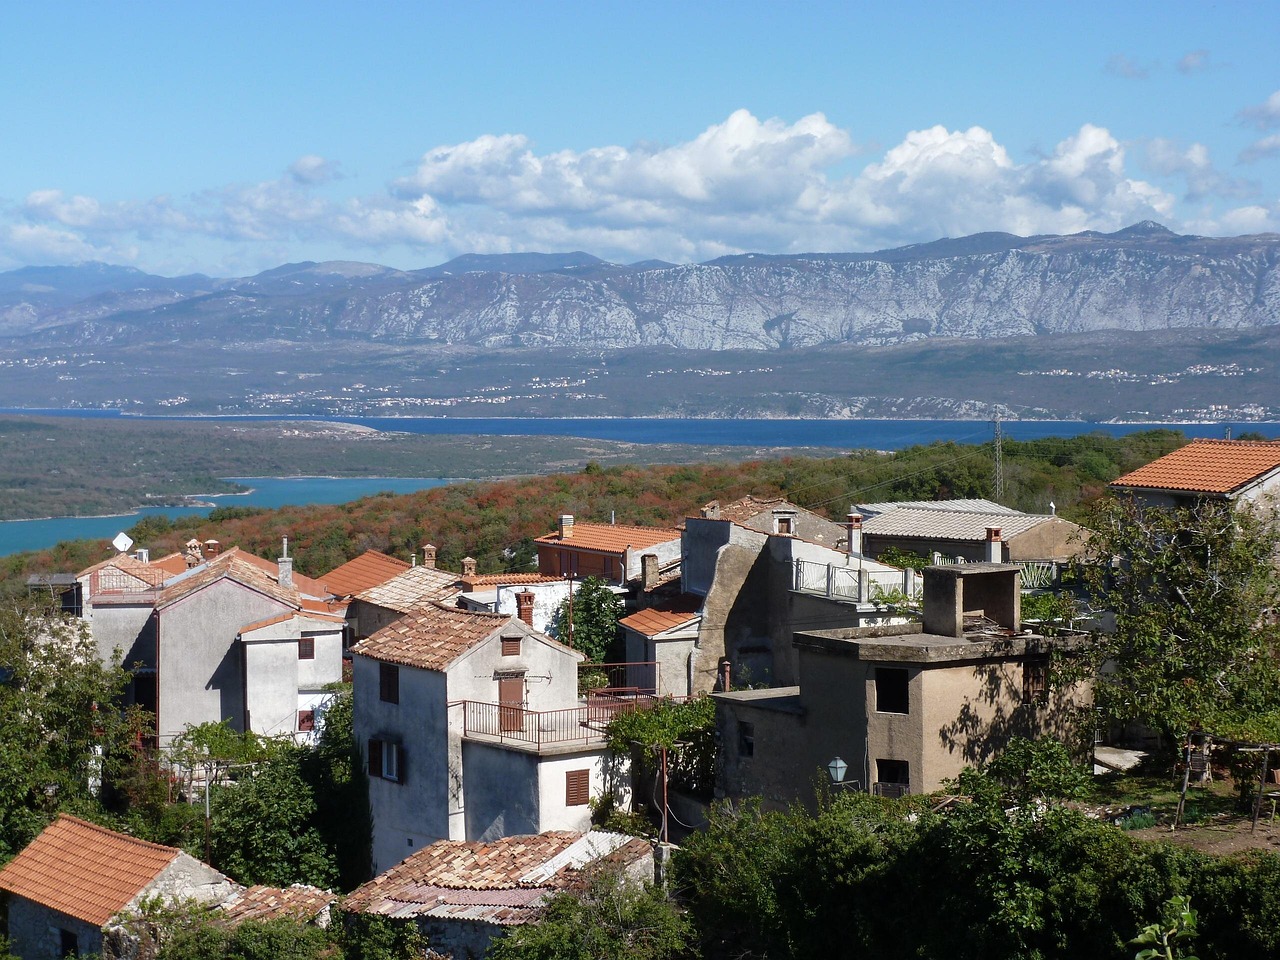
x,y
711,511
566,526
524,606
211,548
285,564
193,554
995,547
648,571
429,555
853,533
468,566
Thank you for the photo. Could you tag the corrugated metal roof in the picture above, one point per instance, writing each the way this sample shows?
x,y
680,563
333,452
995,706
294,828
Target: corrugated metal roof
x,y
1207,466
972,505
950,524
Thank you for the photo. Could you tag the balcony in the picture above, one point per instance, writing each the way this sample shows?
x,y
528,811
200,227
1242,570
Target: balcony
x,y
511,723
855,584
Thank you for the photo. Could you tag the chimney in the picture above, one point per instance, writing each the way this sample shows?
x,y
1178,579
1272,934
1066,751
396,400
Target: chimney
x,y
726,675
711,511
566,526
853,530
524,606
468,566
143,555
648,571
193,554
285,565
211,548
429,555
995,548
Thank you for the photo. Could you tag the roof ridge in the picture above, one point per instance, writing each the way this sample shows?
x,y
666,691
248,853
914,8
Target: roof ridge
x,y
440,604
98,828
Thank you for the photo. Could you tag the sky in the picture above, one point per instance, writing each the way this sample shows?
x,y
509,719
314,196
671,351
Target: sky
x,y
227,138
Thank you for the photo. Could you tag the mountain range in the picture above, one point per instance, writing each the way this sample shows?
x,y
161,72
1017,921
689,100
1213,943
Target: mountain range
x,y
989,285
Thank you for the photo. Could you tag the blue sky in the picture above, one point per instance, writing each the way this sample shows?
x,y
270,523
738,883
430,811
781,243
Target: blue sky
x,y
227,138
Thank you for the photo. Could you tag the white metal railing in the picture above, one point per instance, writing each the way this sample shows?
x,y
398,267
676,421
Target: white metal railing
x,y
854,584
1039,574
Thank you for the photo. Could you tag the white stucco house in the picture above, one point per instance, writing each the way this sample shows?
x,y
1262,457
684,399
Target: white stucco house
x,y
471,728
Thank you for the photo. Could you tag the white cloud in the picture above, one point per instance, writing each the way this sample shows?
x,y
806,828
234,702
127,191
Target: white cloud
x,y
1265,115
1268,146
1193,61
1192,162
1119,65
310,169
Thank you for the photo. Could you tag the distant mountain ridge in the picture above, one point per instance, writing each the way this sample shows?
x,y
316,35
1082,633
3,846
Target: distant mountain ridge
x,y
988,285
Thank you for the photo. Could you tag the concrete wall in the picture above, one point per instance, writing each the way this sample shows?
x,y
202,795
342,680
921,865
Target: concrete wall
x,y
35,931
200,665
700,545
668,552
366,619
460,939
1054,539
326,668
776,771
550,670
416,810
127,627
547,598
501,791
553,812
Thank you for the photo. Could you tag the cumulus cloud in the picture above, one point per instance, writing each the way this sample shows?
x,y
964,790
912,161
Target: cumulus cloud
x,y
1119,65
1268,146
311,169
1192,163
1265,115
1193,61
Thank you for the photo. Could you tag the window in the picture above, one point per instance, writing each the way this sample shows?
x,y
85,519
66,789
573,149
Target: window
x,y
892,690
577,788
785,526
893,778
386,760
68,944
1035,681
306,648
746,739
388,683
511,646
306,721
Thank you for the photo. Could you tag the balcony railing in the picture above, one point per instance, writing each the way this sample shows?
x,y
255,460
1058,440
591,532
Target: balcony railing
x,y
513,723
618,679
854,584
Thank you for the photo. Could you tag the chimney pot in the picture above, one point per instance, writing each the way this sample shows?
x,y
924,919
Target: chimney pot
x,y
648,571
995,549
429,555
468,566
566,526
524,606
853,531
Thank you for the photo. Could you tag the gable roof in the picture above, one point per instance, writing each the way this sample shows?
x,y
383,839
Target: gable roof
x,y
505,881
115,574
297,902
744,508
610,537
172,563
412,588
83,870
1219,467
431,637
367,570
233,565
964,505
951,524
301,582
665,616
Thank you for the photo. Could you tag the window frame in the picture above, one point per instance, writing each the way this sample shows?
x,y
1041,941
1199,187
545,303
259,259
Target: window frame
x,y
577,787
306,648
886,697
306,721
388,683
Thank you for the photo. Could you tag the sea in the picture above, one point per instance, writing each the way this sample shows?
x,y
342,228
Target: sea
x,y
19,535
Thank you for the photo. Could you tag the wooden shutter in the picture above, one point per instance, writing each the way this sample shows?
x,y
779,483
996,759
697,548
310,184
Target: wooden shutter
x,y
511,646
388,683
306,648
306,721
577,788
375,758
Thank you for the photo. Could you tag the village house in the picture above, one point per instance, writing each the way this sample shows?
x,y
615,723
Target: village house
x,y
901,708
472,728
462,895
383,603
505,592
1236,470
234,637
611,552
70,888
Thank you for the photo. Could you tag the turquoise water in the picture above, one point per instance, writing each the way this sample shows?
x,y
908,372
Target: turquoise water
x,y
18,535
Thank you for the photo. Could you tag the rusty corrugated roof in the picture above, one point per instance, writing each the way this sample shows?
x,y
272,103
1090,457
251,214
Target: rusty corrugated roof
x,y
84,870
1207,466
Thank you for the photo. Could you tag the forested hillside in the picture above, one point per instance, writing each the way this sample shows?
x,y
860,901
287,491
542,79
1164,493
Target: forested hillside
x,y
494,522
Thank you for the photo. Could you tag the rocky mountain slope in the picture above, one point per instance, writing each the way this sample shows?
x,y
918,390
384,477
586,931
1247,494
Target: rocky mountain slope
x,y
1142,278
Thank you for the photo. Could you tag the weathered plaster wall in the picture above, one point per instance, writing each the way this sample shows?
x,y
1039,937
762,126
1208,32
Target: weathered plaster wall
x,y
35,931
502,791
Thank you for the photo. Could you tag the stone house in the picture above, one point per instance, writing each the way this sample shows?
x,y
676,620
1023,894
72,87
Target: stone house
x,y
462,895
68,889
1241,470
471,728
380,605
905,706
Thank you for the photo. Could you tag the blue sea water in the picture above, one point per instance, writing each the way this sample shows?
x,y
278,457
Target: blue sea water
x,y
16,535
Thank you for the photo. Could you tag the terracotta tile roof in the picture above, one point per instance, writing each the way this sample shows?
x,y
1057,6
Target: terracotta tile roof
x,y
1207,466
506,580
323,608
413,588
367,570
744,508
303,584
505,881
83,870
234,565
298,902
611,538
431,637
123,573
664,616
173,563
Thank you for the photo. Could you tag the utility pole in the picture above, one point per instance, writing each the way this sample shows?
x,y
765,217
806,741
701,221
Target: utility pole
x,y
999,451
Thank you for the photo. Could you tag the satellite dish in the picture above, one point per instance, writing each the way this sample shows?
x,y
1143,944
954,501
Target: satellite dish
x,y
122,542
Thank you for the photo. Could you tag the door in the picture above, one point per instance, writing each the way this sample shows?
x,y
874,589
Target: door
x,y
511,704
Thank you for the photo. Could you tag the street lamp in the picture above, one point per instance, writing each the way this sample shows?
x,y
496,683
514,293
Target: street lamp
x,y
837,768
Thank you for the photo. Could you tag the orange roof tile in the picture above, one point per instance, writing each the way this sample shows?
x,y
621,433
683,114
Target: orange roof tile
x,y
414,588
172,563
83,870
611,538
298,902
506,580
1207,466
664,616
272,569
367,570
431,637
234,565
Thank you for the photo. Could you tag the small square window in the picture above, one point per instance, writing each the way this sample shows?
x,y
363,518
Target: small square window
x,y
307,648
306,721
746,739
511,646
1035,681
388,683
785,526
577,788
892,690
893,778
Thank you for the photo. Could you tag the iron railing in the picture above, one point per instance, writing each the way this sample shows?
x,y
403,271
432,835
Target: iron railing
x,y
514,723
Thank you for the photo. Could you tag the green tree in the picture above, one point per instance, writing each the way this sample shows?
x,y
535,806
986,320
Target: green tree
x,y
1191,590
609,918
334,770
588,619
61,734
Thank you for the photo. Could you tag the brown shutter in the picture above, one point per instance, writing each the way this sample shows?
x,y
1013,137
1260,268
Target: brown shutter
x,y
306,648
306,721
511,646
375,758
388,683
577,788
